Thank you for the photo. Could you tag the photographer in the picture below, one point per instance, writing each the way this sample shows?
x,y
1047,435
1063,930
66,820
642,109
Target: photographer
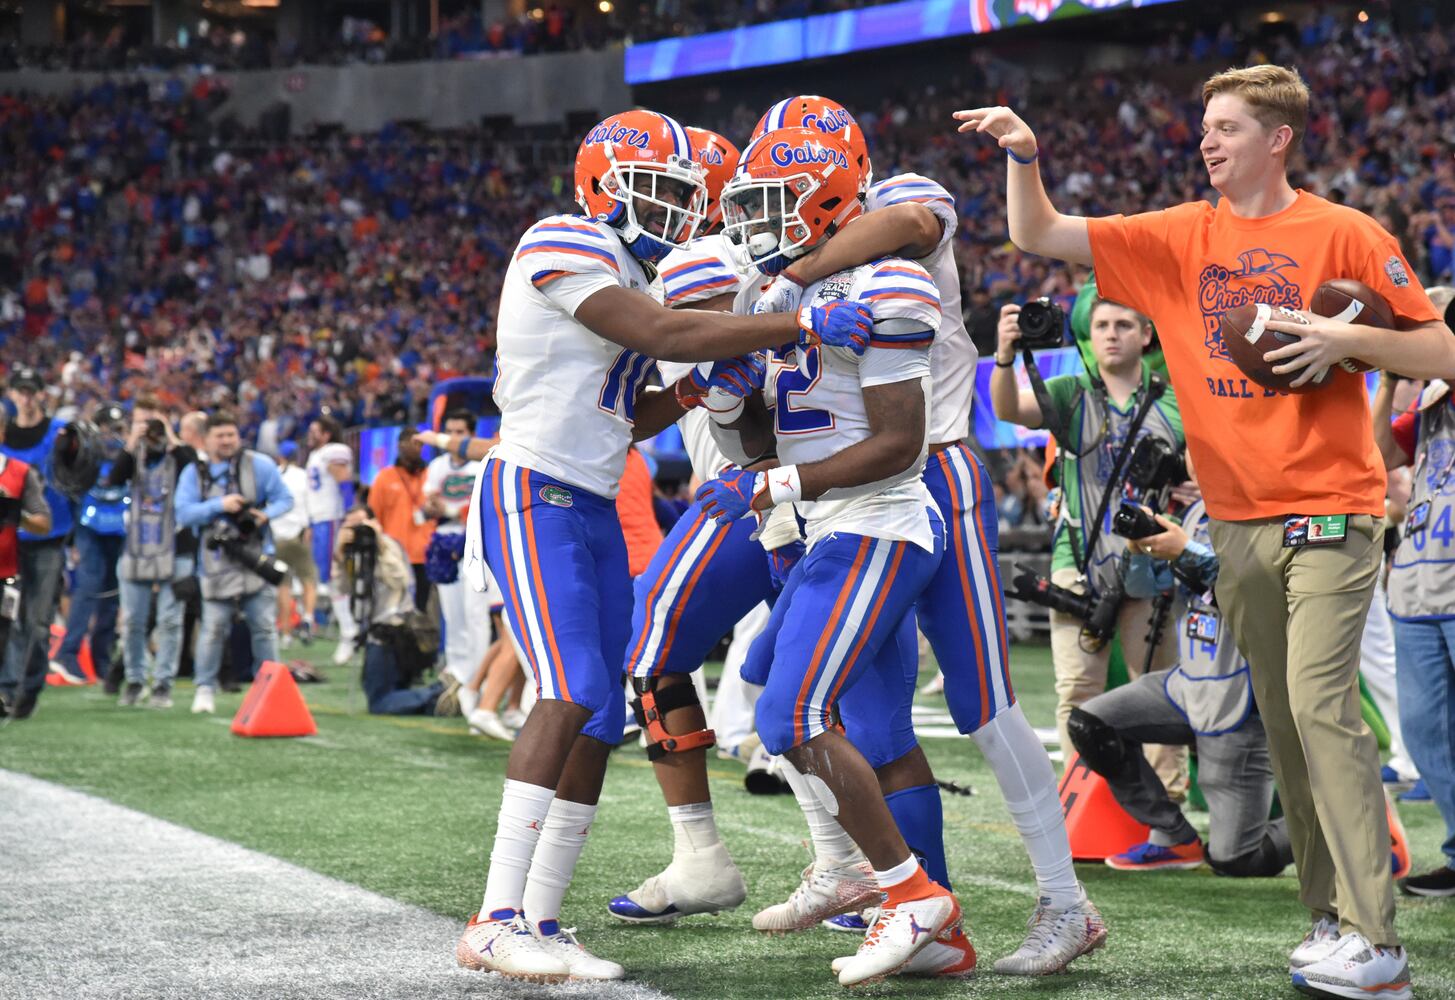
x,y
392,658
99,538
158,556
31,438
228,501
22,507
1095,412
1206,701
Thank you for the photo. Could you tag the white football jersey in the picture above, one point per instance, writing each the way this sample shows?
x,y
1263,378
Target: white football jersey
x,y
452,481
567,397
818,404
325,499
954,355
704,269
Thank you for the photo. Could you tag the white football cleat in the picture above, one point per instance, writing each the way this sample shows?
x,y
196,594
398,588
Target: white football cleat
x,y
824,892
1055,938
950,954
343,652
203,702
1316,946
560,942
487,723
504,943
704,881
901,932
1356,968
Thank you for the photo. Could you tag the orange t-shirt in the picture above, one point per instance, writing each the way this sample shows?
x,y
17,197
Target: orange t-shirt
x,y
1259,453
634,510
394,498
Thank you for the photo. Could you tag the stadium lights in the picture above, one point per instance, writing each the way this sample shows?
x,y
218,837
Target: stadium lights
x,y
1363,16
1273,17
260,3
604,6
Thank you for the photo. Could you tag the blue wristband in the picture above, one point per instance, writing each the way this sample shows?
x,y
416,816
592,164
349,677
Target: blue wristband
x,y
463,450
1027,161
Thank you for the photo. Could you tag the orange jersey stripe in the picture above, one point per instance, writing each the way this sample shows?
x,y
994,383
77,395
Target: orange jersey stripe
x,y
539,586
805,690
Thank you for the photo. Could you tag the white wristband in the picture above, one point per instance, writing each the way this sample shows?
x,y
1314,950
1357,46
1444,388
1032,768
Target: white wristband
x,y
784,485
441,441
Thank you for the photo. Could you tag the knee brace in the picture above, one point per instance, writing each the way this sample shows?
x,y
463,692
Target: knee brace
x,y
1099,745
651,707
1264,861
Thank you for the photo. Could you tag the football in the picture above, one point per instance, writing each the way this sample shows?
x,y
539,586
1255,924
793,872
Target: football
x,y
1353,302
1246,338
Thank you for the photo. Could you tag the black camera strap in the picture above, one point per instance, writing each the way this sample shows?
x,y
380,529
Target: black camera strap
x,y
1155,388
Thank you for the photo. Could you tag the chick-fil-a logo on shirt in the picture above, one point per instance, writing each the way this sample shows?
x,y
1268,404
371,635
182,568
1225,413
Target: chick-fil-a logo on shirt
x,y
1258,277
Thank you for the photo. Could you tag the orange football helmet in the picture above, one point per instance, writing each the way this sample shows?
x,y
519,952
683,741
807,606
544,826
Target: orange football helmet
x,y
827,116
635,172
793,189
719,158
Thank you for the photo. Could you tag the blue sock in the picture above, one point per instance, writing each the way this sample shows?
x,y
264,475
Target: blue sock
x,y
921,821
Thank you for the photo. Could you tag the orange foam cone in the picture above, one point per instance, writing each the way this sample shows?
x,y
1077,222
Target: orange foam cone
x,y
1096,824
274,706
1399,842
83,658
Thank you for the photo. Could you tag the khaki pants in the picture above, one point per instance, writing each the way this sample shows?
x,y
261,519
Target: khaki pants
x,y
1081,675
1298,615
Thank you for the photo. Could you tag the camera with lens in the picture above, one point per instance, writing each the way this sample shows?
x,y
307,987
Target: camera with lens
x,y
1155,465
156,434
1098,612
361,554
237,537
1131,521
1042,324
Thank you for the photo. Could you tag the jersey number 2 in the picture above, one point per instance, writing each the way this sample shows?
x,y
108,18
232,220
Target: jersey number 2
x,y
796,382
629,372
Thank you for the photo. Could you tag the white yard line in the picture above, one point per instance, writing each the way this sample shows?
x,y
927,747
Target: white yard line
x,y
99,901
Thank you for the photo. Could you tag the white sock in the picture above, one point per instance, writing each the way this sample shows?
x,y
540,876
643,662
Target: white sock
x,y
1028,783
693,828
523,809
902,872
563,837
832,847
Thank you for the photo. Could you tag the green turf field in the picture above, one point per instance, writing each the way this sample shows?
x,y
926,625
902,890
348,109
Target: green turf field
x,y
405,807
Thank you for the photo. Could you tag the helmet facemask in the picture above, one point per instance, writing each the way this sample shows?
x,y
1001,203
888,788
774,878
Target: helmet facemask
x,y
758,219
659,207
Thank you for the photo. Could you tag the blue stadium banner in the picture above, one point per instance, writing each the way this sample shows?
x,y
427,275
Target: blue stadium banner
x,y
993,433
823,35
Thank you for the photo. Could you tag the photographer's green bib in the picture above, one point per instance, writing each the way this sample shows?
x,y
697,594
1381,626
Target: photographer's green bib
x,y
1098,429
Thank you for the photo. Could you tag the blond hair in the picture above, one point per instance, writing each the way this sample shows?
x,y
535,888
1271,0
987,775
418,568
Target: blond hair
x,y
1275,95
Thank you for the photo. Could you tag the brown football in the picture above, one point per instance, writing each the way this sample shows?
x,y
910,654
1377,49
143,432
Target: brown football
x,y
1353,302
1246,339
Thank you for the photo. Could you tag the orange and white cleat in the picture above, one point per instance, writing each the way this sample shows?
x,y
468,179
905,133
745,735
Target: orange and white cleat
x,y
905,928
950,955
503,943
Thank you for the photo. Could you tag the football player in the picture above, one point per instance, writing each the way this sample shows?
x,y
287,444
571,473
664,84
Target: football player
x,y
576,343
851,431
961,613
330,494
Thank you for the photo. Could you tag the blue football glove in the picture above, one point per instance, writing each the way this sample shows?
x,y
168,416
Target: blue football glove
x,y
735,378
781,562
731,495
841,323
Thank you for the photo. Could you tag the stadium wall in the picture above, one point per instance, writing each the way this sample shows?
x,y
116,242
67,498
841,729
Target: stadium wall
x,y
539,90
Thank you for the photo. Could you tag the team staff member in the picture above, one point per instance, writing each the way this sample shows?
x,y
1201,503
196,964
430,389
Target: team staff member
x,y
1267,460
397,499
1097,408
31,437
22,507
293,538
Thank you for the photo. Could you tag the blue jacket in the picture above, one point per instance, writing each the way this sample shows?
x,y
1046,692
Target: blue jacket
x,y
194,512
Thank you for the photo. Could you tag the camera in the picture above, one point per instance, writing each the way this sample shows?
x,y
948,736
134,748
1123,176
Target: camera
x,y
236,536
1042,325
156,433
1098,613
361,553
1133,522
1154,465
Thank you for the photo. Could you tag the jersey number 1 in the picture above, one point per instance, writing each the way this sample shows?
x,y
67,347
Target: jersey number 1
x,y
629,372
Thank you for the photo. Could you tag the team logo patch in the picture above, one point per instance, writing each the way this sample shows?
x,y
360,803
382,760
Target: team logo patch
x,y
557,497
1394,267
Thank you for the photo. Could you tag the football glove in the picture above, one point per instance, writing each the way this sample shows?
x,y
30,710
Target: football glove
x,y
733,378
781,296
731,495
840,323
